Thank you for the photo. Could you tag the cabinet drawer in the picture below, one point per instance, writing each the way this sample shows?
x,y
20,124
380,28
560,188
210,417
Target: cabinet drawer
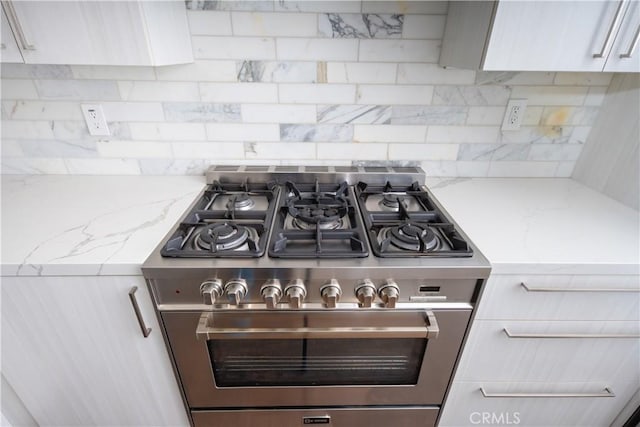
x,y
567,404
550,351
526,297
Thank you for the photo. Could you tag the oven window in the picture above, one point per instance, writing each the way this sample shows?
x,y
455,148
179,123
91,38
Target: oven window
x,y
316,362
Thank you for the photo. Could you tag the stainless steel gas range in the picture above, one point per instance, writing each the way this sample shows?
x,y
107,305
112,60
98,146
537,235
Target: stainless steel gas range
x,y
319,295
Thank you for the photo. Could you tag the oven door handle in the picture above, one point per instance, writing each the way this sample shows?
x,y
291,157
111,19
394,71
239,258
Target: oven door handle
x,y
206,330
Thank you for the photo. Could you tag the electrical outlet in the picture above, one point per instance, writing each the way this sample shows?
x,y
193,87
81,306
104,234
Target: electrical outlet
x,y
514,115
96,122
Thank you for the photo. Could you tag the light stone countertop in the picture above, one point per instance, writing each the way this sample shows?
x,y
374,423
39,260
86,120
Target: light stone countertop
x,y
108,225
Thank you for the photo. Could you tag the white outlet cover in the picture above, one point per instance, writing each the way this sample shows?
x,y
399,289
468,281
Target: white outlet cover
x,y
95,119
515,114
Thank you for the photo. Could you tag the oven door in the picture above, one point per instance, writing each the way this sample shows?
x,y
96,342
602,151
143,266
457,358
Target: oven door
x,y
262,358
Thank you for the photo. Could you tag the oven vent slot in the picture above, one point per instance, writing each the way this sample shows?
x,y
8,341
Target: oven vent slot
x,y
430,289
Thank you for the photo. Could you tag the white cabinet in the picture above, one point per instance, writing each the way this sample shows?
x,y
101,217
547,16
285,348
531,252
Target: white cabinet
x,y
74,353
551,350
542,36
100,32
9,51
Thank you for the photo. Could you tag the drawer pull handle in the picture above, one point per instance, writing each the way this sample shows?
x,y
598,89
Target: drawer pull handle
x,y
537,335
614,24
633,44
145,331
607,392
535,289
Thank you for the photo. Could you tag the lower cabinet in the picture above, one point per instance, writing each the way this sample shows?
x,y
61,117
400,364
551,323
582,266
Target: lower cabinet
x,y
74,352
549,351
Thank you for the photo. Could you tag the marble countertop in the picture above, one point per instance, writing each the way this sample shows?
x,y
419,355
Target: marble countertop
x,y
89,225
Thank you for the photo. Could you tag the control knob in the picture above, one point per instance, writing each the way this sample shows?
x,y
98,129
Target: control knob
x,y
296,292
389,293
366,293
211,290
235,289
331,293
271,293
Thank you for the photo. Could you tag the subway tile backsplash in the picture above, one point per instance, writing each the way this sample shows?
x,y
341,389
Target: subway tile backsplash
x,y
299,83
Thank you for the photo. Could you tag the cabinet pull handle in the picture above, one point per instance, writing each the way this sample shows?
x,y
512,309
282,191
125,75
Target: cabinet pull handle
x,y
607,392
633,45
510,334
532,289
15,23
614,24
145,331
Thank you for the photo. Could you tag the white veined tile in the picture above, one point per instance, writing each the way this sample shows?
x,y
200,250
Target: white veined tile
x,y
447,168
522,169
583,79
596,96
389,133
423,151
363,114
328,6
85,90
317,93
580,134
423,27
134,149
278,113
239,92
243,132
277,71
361,72
112,72
201,112
200,71
551,95
280,150
208,150
246,5
133,111
410,73
274,24
209,23
33,166
18,89
58,148
316,132
102,166
394,94
173,166
532,116
158,91
77,129
352,150
42,110
210,47
35,71
10,148
168,131
485,115
391,50
556,152
307,49
20,129
534,78
406,7
463,134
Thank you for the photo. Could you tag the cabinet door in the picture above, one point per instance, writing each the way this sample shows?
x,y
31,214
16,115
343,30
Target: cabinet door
x,y
9,51
554,35
73,351
625,53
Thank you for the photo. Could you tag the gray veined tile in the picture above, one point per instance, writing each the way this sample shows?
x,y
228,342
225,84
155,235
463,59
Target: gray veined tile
x,y
326,132
360,26
277,71
471,95
493,152
201,112
428,115
360,114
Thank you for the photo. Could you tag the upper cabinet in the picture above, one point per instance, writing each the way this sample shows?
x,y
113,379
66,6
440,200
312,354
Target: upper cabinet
x,y
97,32
543,36
9,51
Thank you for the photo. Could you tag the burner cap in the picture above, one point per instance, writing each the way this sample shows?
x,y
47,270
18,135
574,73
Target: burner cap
x,y
414,237
306,223
241,202
325,211
222,236
391,201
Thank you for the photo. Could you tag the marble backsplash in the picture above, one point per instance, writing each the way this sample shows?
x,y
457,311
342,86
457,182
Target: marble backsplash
x,y
306,83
